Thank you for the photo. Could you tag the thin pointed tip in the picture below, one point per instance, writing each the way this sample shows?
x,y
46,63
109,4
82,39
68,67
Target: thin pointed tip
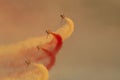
x,y
48,32
62,16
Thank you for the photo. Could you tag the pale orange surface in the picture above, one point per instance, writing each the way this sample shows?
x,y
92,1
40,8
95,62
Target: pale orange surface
x,y
13,68
93,48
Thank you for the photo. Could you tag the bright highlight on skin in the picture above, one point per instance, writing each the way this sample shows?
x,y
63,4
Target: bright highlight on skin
x,y
33,58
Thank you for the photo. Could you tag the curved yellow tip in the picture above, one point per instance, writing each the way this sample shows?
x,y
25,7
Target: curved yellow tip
x,y
67,29
43,70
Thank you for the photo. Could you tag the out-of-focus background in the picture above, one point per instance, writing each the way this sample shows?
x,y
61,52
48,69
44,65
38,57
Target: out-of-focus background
x,y
91,53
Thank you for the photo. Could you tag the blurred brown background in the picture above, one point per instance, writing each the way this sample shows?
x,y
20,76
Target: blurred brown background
x,y
91,53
